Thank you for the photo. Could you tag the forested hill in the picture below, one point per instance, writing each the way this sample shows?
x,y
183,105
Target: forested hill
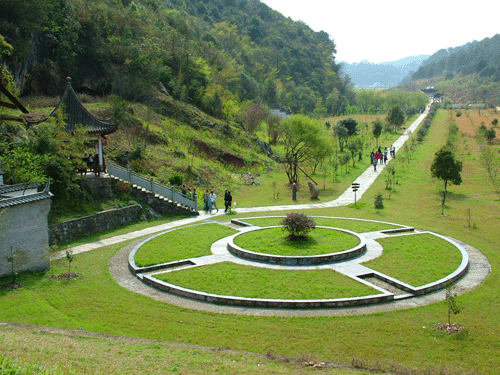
x,y
481,57
215,54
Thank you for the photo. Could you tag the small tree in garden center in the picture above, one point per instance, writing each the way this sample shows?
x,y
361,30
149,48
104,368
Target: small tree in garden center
x,y
297,225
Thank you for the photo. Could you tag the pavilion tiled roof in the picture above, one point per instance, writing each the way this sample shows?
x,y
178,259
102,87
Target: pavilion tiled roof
x,y
78,115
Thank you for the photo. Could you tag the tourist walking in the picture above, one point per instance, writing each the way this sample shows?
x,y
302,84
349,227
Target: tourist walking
x,y
206,201
228,201
213,201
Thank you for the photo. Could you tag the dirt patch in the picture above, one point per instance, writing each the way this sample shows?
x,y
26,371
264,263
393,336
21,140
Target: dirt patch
x,y
11,286
449,328
215,154
66,276
471,119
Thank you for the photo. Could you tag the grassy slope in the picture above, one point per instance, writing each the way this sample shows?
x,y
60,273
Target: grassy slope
x,y
404,337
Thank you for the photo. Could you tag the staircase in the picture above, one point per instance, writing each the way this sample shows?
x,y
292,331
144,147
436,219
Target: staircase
x,y
169,200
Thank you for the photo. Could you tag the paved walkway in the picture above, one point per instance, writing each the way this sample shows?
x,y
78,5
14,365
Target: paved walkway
x,y
364,180
118,264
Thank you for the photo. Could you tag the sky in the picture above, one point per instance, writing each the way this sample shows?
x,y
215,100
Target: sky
x,y
389,30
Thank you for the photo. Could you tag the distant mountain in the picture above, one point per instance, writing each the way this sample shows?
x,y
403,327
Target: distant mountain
x,y
475,57
385,74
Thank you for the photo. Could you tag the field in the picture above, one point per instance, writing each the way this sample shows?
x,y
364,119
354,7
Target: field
x,y
399,342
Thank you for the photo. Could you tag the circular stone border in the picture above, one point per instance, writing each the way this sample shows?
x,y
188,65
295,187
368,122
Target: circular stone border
x,y
382,299
297,260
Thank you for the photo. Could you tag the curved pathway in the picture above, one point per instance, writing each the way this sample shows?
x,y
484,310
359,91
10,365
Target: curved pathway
x,y
118,264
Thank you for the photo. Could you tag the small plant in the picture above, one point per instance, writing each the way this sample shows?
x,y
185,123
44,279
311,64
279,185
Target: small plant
x,y
458,114
297,225
16,259
451,301
70,258
379,201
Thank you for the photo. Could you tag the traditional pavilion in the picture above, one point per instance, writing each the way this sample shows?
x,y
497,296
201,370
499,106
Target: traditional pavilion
x,y
77,115
432,93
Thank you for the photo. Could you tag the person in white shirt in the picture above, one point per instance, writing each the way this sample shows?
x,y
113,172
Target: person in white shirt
x,y
213,203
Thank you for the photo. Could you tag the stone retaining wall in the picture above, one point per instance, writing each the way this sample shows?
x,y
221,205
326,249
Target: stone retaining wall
x,y
86,226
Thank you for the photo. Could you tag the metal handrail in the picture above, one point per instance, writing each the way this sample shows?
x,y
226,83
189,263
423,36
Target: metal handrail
x,y
150,185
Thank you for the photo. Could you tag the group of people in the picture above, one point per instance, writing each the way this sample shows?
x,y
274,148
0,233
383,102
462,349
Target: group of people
x,y
380,157
210,201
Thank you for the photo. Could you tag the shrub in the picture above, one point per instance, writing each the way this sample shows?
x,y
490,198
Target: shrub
x,y
176,179
297,225
379,201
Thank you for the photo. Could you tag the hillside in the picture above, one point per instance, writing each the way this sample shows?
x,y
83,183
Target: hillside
x,y
214,54
386,74
480,57
464,74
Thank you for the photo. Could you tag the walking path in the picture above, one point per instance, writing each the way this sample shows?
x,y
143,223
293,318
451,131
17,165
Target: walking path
x,y
118,264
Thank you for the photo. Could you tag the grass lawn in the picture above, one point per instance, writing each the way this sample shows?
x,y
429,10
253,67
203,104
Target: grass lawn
x,y
274,241
188,242
403,341
417,259
254,282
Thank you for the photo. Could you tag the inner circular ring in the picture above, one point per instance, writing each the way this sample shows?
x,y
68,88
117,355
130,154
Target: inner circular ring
x,y
297,260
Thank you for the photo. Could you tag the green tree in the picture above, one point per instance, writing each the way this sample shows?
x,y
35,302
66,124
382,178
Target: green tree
x,y
303,139
395,117
446,168
490,135
344,130
377,129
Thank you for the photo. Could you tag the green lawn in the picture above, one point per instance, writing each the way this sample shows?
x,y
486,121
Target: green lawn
x,y
183,243
255,282
404,340
417,259
274,241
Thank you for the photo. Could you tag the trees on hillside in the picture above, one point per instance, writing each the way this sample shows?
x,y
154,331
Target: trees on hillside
x,y
446,168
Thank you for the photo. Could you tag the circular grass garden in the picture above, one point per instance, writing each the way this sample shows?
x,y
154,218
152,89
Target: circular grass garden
x,y
415,259
274,241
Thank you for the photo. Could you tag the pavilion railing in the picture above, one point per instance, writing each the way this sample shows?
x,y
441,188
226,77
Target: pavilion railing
x,y
150,185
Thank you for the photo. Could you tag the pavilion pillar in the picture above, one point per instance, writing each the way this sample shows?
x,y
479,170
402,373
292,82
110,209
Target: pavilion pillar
x,y
99,146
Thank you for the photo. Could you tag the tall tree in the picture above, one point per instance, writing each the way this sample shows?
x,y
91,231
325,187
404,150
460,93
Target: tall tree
x,y
396,117
303,140
377,129
344,130
445,167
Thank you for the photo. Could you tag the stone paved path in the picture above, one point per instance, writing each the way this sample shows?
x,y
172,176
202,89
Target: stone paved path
x,y
118,264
